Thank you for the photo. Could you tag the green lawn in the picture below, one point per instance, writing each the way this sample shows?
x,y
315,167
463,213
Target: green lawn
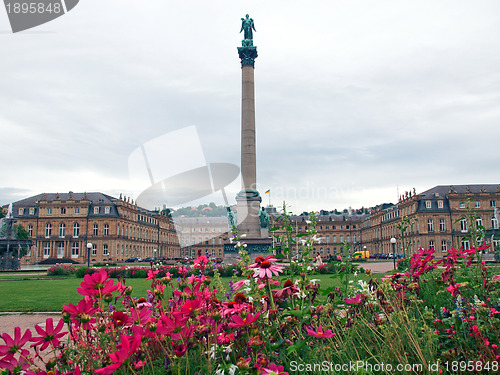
x,y
51,295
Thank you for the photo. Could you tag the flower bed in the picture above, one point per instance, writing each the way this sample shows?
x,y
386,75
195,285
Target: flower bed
x,y
269,324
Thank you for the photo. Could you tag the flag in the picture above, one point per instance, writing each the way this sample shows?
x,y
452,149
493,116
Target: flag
x,y
268,192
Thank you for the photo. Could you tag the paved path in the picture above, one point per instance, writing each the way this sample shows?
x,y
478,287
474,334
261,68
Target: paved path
x,y
8,321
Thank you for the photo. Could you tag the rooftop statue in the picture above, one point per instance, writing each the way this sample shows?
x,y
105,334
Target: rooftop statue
x,y
247,25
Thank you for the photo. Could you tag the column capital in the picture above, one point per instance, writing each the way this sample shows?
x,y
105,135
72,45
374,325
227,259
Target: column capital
x,y
247,53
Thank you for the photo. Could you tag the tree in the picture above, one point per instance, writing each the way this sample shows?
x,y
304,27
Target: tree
x,y
20,233
2,212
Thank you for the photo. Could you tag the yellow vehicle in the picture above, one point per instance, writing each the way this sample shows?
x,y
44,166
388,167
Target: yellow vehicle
x,y
364,254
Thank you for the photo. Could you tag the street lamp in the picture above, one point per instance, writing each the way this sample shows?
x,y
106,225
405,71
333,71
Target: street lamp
x,y
393,241
154,251
89,246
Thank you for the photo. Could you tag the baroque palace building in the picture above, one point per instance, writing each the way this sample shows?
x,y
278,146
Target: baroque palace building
x,y
438,218
333,230
61,226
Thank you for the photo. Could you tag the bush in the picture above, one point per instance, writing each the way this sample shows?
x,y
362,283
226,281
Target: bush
x,y
61,270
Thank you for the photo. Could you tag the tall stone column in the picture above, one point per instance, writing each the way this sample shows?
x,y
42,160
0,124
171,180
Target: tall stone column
x,y
248,199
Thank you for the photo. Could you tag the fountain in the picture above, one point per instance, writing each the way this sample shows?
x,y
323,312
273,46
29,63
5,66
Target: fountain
x,y
11,247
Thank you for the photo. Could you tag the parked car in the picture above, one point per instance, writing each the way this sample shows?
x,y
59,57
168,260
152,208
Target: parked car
x,y
131,260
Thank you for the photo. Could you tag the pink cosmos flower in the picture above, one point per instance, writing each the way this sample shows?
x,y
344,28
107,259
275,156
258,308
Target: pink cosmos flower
x,y
242,322
97,285
264,267
152,274
356,300
496,277
13,345
320,333
273,369
81,313
126,348
49,335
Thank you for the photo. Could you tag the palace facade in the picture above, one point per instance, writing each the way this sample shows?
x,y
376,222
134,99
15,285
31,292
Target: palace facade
x,y
61,226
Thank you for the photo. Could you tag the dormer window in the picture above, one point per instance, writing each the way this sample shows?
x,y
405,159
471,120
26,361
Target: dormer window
x,y
107,210
21,211
428,204
96,210
440,204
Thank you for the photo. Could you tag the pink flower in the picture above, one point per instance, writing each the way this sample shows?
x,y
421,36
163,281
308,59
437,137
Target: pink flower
x,y
49,335
453,289
81,313
496,277
273,369
201,262
242,322
97,285
320,333
264,267
15,345
126,348
356,300
152,274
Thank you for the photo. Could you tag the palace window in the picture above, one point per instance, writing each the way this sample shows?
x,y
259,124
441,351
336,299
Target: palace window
x,y
428,204
46,249
431,244
494,222
48,230
76,230
477,204
32,211
107,210
465,244
60,250
75,247
49,211
443,246
94,249
105,250
430,225
463,225
96,210
62,230
493,203
63,210
30,230
462,205
106,229
440,204
95,230
442,225
20,211
77,210
479,222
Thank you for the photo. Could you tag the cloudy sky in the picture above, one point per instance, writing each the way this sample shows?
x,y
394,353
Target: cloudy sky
x,y
355,99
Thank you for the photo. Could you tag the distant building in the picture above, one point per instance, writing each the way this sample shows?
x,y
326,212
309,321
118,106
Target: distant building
x,y
202,235
439,216
333,230
61,226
